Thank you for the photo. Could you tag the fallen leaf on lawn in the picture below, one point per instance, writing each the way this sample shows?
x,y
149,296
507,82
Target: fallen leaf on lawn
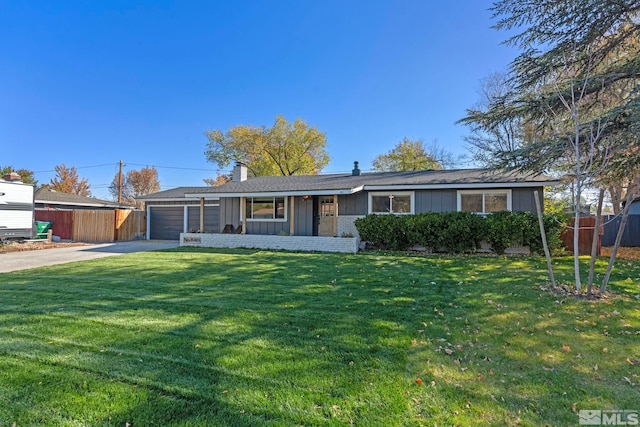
x,y
595,367
414,341
605,350
632,361
626,379
481,377
448,351
419,381
566,348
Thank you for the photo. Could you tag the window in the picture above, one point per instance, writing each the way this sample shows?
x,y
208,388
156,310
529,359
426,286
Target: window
x,y
396,203
484,201
266,208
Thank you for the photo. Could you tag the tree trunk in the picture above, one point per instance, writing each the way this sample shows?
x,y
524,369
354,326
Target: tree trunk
x,y
594,243
615,192
614,250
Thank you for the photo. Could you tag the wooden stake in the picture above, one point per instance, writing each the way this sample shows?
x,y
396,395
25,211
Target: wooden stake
x,y
543,234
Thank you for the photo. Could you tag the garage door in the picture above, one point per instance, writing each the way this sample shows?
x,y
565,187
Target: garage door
x,y
166,222
211,218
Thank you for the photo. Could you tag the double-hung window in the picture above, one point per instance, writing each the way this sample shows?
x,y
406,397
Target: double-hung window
x,y
391,202
266,208
484,201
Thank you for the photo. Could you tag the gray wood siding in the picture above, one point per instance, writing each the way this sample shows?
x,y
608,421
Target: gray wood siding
x,y
303,217
211,218
267,227
353,204
522,199
229,212
436,201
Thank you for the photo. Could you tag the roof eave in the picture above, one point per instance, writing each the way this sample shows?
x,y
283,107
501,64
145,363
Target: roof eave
x,y
341,191
462,186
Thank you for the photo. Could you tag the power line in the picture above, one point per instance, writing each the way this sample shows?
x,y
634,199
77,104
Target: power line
x,y
176,167
80,167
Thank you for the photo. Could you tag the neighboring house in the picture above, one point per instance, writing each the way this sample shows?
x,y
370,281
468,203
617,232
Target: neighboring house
x,y
51,199
328,205
88,219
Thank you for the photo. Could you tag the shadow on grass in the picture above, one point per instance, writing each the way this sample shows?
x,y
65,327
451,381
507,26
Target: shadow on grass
x,y
242,337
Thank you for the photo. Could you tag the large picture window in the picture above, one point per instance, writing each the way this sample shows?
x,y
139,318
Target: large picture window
x,y
484,201
391,203
266,208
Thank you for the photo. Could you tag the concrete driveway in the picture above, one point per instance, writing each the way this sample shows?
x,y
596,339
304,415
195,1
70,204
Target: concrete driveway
x,y
14,261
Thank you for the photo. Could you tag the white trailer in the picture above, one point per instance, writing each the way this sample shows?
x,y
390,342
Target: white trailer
x,y
16,210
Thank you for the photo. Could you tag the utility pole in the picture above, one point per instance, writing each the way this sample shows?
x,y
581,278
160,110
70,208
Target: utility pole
x,y
120,184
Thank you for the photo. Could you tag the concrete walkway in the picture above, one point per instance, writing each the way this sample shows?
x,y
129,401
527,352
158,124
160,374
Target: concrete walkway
x,y
14,261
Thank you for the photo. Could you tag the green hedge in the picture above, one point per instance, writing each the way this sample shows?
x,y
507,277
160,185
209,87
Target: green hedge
x,y
458,232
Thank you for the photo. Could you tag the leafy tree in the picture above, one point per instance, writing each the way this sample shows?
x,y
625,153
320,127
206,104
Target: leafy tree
x,y
27,176
409,155
488,139
219,180
136,183
283,149
579,96
67,181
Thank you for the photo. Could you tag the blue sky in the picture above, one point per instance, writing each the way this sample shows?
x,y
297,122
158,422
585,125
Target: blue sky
x,y
91,83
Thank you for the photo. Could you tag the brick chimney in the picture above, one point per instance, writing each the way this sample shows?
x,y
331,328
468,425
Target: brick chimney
x,y
13,177
356,169
239,172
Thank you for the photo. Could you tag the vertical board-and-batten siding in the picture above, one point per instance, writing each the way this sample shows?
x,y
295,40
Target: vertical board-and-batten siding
x,y
523,199
436,201
303,218
353,204
211,218
357,205
229,212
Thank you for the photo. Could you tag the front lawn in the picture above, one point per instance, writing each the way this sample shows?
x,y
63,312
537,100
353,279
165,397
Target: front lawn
x,y
214,337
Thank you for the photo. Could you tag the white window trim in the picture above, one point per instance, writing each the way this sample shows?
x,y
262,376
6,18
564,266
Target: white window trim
x,y
395,193
483,192
286,209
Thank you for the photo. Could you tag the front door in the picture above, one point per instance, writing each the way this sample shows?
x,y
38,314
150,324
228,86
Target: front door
x,y
327,225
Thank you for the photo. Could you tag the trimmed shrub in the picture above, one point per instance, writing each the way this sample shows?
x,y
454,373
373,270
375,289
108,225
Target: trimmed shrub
x,y
458,232
385,231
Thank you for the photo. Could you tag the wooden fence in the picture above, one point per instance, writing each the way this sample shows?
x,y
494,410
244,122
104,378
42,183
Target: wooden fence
x,y
62,222
130,225
585,236
96,226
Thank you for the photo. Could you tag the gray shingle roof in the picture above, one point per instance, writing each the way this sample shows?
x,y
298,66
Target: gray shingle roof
x,y
347,183
45,195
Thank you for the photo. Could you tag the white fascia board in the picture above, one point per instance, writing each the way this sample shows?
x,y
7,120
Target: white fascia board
x,y
459,186
178,199
283,193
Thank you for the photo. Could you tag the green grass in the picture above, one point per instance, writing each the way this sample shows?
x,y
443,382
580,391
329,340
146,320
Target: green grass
x,y
212,337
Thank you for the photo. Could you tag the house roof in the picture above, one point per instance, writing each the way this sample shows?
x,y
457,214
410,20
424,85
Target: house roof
x,y
52,197
349,184
178,193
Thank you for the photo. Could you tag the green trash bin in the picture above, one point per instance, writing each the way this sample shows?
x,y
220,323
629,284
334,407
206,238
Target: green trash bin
x,y
43,228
